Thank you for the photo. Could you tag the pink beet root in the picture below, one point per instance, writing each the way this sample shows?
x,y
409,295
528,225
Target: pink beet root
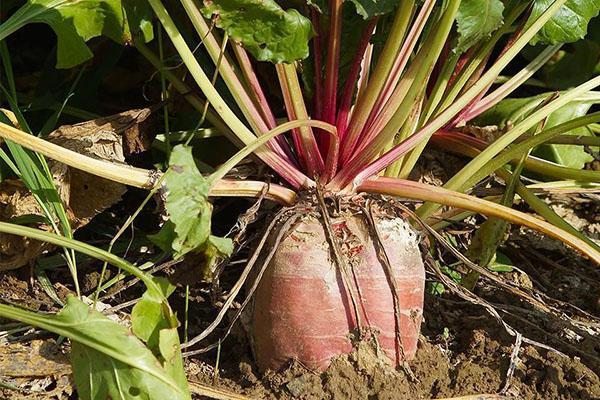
x,y
302,310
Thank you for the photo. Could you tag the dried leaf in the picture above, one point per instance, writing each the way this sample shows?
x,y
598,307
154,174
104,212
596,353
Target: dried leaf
x,y
109,138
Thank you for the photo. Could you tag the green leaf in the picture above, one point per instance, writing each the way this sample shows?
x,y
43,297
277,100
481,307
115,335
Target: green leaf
x,y
267,31
372,8
74,23
139,18
187,201
153,321
568,24
108,361
511,111
188,228
486,240
149,316
572,156
216,248
573,65
501,263
476,20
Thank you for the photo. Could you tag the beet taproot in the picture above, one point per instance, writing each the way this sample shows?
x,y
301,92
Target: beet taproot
x,y
303,311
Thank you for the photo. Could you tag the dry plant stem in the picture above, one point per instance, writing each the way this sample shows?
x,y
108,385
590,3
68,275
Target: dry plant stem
x,y
539,305
127,175
514,359
240,282
430,193
233,188
340,261
508,286
471,297
212,392
137,177
281,232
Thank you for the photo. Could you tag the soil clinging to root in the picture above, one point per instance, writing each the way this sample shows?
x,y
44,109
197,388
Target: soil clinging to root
x,y
465,355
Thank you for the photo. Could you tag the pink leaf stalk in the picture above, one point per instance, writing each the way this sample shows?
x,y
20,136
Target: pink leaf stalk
x,y
351,81
332,68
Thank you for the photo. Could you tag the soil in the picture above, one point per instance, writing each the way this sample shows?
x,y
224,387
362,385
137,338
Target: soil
x,y
463,353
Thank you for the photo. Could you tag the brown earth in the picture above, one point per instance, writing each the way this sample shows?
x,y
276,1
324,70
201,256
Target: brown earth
x,y
465,354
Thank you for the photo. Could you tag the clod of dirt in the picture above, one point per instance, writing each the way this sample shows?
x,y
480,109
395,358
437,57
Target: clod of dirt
x,y
85,195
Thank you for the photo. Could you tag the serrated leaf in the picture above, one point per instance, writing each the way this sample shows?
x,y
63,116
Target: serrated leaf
x,y
372,8
476,20
267,31
108,360
568,24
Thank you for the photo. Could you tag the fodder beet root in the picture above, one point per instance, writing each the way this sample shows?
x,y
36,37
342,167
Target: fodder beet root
x,y
302,310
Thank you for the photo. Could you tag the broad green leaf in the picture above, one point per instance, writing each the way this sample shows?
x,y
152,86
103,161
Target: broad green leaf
x,y
74,23
150,314
153,321
372,8
187,201
568,24
572,156
476,20
511,111
267,31
573,65
108,361
139,18
190,211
